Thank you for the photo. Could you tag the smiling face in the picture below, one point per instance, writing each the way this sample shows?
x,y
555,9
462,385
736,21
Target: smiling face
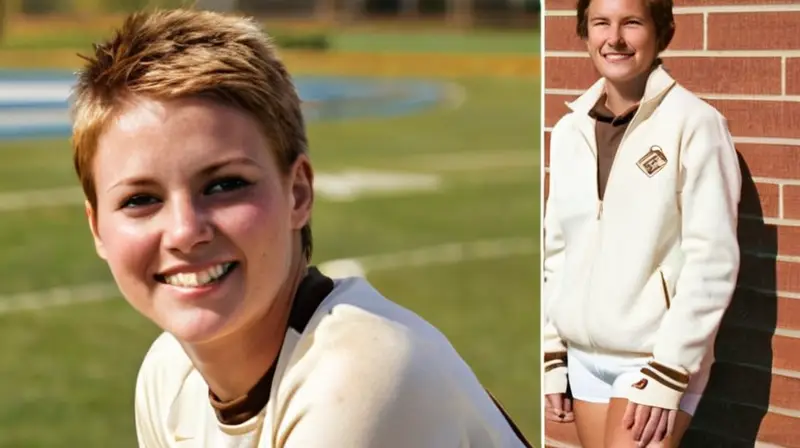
x,y
198,223
621,39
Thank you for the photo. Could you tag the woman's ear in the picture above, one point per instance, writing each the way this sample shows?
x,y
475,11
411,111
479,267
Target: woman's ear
x,y
91,216
302,191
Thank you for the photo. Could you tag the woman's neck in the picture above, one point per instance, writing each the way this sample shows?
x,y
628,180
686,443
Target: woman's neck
x,y
233,364
621,97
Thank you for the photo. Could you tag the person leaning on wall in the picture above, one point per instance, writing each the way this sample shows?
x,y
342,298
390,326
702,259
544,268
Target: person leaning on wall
x,y
640,249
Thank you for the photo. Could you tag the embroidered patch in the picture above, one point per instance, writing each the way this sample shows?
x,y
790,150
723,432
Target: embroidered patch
x,y
652,162
641,384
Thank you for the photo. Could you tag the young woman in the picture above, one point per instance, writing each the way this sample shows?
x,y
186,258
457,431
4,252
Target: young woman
x,y
190,146
641,254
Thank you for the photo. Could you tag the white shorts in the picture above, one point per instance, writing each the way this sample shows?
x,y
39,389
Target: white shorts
x,y
597,377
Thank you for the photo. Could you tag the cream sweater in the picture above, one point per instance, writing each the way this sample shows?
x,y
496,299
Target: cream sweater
x,y
364,372
652,268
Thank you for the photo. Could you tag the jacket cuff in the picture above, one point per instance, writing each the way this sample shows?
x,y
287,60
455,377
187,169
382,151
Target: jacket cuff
x,y
555,373
659,386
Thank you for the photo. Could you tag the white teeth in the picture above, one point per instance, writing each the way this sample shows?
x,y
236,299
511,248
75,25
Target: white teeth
x,y
196,279
617,57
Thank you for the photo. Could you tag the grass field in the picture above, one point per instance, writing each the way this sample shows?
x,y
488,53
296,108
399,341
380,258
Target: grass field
x,y
71,369
347,40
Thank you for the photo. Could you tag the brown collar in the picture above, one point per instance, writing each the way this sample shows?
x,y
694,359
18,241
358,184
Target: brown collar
x,y
601,112
310,294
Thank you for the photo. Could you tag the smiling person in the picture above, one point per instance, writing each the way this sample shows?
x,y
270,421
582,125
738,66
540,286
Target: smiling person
x,y
640,252
190,146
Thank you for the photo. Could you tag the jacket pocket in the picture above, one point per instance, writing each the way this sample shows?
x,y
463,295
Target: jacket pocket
x,y
664,287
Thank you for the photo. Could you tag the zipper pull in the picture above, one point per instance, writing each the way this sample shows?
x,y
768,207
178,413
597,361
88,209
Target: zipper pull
x,y
599,210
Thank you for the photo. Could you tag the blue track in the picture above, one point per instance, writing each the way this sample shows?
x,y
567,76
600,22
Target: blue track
x,y
44,112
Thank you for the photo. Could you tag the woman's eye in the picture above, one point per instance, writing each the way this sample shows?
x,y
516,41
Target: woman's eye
x,y
139,200
224,185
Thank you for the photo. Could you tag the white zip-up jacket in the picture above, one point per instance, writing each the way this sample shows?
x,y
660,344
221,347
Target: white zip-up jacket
x,y
651,269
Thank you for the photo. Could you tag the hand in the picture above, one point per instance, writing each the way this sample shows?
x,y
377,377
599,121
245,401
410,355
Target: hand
x,y
558,408
648,424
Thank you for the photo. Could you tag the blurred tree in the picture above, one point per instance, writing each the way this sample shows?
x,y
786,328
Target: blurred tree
x,y
325,10
461,11
3,15
217,5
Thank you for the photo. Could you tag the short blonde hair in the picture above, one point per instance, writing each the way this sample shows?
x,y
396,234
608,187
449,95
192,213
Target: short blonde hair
x,y
170,54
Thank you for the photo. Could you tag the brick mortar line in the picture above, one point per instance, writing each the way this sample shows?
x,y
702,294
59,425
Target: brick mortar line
x,y
776,257
776,181
668,54
767,141
767,445
781,207
794,374
771,292
784,412
783,75
691,10
787,333
783,222
771,141
706,96
783,332
769,408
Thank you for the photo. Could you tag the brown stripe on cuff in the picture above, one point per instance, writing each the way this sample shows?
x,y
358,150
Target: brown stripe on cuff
x,y
672,374
553,356
554,366
649,373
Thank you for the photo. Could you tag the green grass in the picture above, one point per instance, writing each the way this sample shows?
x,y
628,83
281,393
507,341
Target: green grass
x,y
343,40
71,369
438,42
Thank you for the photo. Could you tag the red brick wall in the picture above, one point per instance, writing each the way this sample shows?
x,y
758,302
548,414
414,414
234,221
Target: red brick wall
x,y
742,56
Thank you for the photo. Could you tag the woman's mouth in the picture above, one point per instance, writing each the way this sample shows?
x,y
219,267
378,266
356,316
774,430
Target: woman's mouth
x,y
198,279
617,57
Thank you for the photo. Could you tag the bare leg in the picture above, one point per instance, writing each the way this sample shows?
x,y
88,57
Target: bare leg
x,y
590,420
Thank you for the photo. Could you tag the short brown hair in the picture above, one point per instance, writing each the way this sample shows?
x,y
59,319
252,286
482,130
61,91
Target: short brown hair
x,y
660,11
170,54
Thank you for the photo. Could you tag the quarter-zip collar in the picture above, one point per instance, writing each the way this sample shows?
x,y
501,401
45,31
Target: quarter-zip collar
x,y
658,84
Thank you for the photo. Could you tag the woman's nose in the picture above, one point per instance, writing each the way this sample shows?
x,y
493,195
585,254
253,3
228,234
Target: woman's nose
x,y
187,226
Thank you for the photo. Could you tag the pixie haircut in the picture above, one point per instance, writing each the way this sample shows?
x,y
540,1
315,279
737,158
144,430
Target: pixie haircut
x,y
660,11
171,54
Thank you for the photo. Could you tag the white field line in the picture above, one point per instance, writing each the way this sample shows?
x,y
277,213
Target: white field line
x,y
453,253
30,301
455,96
472,160
52,197
415,165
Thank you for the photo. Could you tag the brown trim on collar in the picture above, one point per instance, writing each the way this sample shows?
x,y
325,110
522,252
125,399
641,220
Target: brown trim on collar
x,y
601,112
313,289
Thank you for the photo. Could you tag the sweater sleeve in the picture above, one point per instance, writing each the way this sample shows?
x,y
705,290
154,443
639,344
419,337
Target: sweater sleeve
x,y
709,198
146,416
554,349
157,381
376,391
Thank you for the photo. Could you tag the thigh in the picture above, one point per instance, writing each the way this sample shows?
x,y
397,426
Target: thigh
x,y
590,398
618,437
590,421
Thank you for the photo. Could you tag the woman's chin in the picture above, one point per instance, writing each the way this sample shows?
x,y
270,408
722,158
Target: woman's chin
x,y
196,326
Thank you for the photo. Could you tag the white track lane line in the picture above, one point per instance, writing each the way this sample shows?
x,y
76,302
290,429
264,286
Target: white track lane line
x,y
453,253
